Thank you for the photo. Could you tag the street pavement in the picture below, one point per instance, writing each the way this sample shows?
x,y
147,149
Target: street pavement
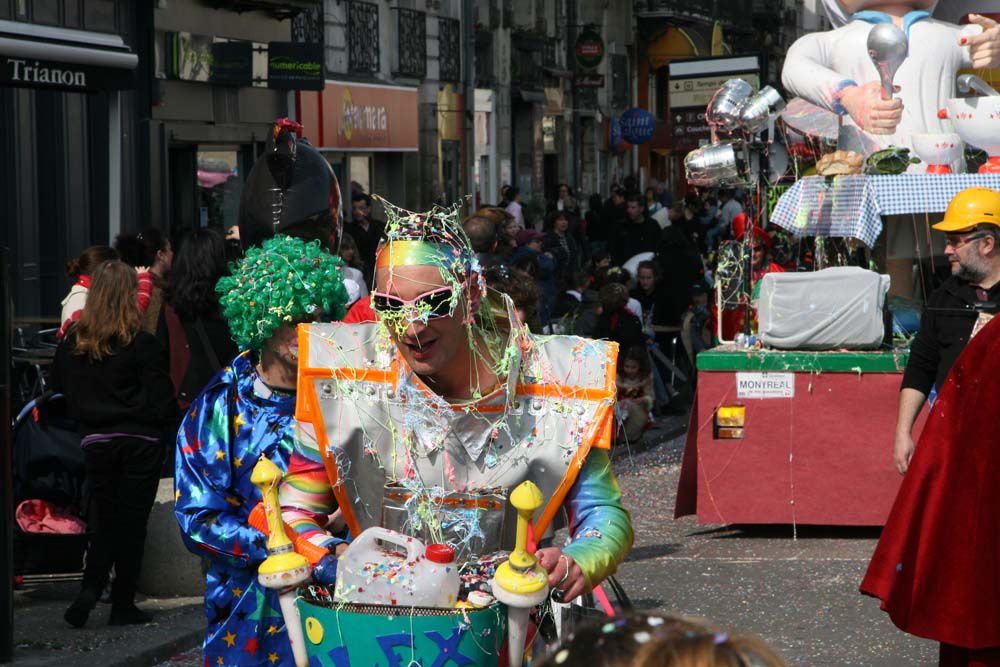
x,y
795,588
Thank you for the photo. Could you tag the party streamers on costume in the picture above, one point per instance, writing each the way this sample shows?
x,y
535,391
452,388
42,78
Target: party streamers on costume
x,y
438,467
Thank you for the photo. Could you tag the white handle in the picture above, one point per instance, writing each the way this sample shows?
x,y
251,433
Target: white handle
x,y
414,547
293,623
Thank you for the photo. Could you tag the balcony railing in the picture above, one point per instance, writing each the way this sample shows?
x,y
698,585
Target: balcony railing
x,y
362,37
485,75
412,43
308,25
450,49
699,10
280,9
733,12
526,51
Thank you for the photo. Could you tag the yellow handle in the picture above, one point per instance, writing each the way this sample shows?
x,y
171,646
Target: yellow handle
x,y
282,567
521,573
266,477
526,499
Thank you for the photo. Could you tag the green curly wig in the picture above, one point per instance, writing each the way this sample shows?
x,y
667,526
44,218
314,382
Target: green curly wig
x,y
285,281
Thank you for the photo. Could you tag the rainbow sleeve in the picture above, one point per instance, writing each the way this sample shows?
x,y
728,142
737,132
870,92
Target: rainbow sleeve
x,y
601,527
305,494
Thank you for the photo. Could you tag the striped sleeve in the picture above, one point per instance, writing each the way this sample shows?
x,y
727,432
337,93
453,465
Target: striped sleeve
x,y
145,293
305,494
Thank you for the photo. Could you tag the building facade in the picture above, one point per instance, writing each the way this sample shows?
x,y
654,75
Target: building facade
x,y
391,116
124,115
212,103
72,105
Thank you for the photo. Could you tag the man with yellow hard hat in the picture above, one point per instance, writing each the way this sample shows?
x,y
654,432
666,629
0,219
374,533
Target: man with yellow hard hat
x,y
957,310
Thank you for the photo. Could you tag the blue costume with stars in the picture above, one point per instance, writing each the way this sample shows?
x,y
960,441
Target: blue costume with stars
x,y
234,422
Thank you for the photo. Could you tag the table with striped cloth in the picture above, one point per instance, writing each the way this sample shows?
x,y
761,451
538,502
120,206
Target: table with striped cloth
x,y
853,206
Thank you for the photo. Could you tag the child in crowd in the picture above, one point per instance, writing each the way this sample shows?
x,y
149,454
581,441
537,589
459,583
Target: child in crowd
x,y
78,270
635,393
661,641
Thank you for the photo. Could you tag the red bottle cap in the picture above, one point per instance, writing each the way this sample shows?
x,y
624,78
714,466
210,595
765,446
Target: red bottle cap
x,y
440,553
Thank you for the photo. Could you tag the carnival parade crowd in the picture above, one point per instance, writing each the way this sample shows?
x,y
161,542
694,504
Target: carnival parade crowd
x,y
165,336
180,358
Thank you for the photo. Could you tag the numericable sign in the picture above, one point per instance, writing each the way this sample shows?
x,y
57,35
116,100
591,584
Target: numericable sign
x,y
765,385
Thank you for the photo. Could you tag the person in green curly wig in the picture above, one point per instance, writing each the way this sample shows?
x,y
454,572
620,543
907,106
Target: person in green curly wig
x,y
275,287
245,413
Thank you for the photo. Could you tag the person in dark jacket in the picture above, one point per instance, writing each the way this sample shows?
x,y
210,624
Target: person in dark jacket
x,y
117,387
562,245
192,328
956,310
639,233
540,265
615,321
366,230
612,216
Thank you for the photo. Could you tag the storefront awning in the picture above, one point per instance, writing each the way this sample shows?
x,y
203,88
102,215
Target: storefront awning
x,y
36,56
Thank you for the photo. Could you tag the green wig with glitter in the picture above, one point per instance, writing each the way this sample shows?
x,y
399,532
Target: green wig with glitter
x,y
285,281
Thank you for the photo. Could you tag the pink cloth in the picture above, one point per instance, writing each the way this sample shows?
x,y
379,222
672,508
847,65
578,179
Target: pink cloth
x,y
39,516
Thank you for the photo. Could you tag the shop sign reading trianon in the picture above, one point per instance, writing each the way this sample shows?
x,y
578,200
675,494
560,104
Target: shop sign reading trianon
x,y
32,72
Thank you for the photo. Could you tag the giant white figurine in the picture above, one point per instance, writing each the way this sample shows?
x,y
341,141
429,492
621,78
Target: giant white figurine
x,y
833,70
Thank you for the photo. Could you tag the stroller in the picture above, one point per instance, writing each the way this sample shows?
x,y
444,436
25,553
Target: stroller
x,y
49,474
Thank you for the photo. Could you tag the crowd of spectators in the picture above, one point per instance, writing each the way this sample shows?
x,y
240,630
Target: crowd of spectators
x,y
635,268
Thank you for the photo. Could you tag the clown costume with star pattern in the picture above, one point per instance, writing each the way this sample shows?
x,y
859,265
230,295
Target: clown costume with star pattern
x,y
237,419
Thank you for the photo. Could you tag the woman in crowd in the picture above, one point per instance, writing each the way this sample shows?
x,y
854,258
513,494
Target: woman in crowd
x,y
511,202
192,327
349,252
559,242
507,230
652,202
353,269
149,248
117,387
648,290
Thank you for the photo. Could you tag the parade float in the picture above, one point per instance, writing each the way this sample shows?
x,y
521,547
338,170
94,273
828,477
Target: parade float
x,y
796,408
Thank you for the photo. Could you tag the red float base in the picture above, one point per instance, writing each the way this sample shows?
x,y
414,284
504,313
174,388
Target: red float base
x,y
821,457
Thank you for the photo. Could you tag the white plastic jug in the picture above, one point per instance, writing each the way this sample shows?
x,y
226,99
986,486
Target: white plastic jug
x,y
371,574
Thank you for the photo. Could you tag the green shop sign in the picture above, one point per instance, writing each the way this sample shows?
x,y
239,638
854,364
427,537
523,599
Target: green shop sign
x,y
295,66
589,49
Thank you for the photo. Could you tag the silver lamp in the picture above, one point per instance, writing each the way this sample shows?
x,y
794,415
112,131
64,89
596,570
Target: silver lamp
x,y
723,112
716,165
759,111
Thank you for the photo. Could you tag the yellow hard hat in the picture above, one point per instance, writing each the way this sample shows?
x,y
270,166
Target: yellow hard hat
x,y
971,207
